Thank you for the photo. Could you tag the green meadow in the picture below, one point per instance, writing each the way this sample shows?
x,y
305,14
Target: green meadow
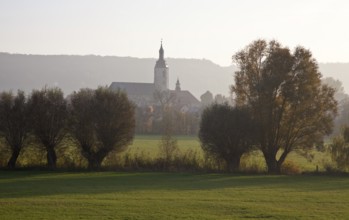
x,y
149,144
30,194
112,195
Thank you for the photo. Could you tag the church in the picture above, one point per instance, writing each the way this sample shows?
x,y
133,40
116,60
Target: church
x,y
147,94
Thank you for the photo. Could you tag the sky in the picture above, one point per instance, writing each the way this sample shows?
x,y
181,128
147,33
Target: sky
x,y
203,29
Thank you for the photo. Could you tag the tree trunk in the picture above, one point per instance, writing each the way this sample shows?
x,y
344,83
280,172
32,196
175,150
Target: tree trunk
x,y
94,162
282,158
233,164
91,164
273,166
51,158
12,162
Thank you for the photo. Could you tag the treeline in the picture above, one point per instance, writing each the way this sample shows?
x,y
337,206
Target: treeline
x,y
97,121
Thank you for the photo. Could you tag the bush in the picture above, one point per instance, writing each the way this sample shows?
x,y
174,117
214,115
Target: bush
x,y
168,148
226,133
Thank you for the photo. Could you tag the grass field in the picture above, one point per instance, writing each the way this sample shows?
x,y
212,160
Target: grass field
x,y
150,144
109,195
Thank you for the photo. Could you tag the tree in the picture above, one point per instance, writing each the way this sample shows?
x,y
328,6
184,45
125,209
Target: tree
x,y
226,133
102,121
343,118
283,90
164,97
14,123
48,110
144,116
337,85
168,144
339,149
342,98
81,124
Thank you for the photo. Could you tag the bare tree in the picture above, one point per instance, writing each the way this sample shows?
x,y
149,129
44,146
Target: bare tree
x,y
168,144
164,97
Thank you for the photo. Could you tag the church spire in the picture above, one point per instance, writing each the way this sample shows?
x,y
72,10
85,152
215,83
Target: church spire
x,y
161,63
161,52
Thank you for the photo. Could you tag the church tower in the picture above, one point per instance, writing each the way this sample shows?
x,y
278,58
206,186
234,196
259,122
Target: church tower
x,y
161,73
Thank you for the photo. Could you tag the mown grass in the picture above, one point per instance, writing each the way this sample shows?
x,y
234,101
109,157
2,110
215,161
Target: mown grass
x,y
109,195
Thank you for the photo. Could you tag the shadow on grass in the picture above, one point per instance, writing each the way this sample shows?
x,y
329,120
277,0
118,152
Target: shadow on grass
x,y
19,184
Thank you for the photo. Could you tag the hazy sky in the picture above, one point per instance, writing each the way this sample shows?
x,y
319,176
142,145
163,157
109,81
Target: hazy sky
x,y
210,29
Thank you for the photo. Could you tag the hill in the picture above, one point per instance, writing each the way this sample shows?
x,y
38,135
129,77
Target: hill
x,y
72,72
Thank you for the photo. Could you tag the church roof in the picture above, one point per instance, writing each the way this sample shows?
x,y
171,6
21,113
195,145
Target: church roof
x,y
134,89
